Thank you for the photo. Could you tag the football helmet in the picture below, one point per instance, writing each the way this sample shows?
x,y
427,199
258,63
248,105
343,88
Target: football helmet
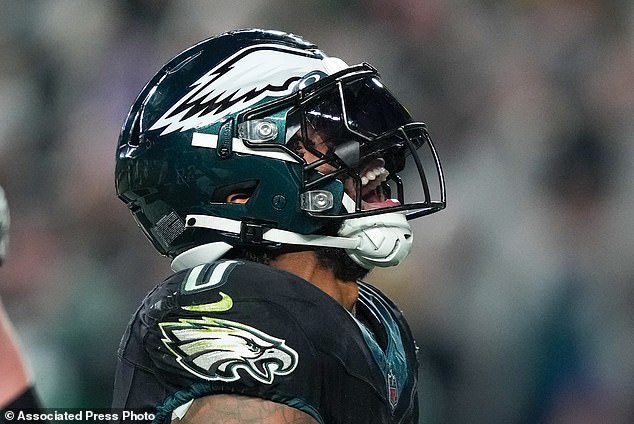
x,y
4,226
240,112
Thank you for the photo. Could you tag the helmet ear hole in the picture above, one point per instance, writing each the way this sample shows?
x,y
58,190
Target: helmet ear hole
x,y
238,197
235,193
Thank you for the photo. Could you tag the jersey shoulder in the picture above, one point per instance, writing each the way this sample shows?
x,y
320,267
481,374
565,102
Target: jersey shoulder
x,y
227,287
235,327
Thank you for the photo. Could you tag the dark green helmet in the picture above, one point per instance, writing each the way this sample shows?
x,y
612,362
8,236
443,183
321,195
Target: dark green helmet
x,y
226,115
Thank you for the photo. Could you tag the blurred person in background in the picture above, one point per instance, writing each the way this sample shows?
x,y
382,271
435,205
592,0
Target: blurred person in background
x,y
270,173
16,389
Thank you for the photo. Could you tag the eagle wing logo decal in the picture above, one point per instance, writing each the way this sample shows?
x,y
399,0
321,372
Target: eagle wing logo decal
x,y
238,82
216,349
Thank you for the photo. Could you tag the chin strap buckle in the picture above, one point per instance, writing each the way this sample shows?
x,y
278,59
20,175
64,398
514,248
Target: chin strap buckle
x,y
251,233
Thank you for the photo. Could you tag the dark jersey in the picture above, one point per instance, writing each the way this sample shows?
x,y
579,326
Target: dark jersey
x,y
242,328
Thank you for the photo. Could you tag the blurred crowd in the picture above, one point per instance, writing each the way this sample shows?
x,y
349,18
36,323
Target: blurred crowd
x,y
520,294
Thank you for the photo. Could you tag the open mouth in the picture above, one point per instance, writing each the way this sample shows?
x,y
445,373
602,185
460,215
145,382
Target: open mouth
x,y
372,193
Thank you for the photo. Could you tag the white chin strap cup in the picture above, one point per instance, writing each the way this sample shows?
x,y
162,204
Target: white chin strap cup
x,y
385,240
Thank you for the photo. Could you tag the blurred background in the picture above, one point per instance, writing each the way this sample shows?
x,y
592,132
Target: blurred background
x,y
520,294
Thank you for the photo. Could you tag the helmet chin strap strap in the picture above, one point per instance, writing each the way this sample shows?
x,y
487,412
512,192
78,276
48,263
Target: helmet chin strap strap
x,y
211,251
272,234
379,240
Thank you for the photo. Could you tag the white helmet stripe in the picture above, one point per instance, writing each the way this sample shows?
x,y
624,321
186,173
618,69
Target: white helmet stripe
x,y
210,141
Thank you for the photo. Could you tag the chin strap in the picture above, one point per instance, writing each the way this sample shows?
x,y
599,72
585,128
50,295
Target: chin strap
x,y
380,240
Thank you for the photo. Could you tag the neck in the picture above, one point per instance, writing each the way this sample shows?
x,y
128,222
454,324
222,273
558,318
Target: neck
x,y
305,265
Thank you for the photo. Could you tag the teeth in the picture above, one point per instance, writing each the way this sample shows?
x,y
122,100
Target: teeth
x,y
376,175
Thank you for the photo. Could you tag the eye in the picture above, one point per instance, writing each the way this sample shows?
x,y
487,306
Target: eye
x,y
296,144
252,346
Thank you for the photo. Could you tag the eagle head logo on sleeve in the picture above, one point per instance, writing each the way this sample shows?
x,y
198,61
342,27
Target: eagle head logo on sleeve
x,y
216,349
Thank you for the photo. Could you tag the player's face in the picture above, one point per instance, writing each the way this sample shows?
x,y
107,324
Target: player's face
x,y
373,172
